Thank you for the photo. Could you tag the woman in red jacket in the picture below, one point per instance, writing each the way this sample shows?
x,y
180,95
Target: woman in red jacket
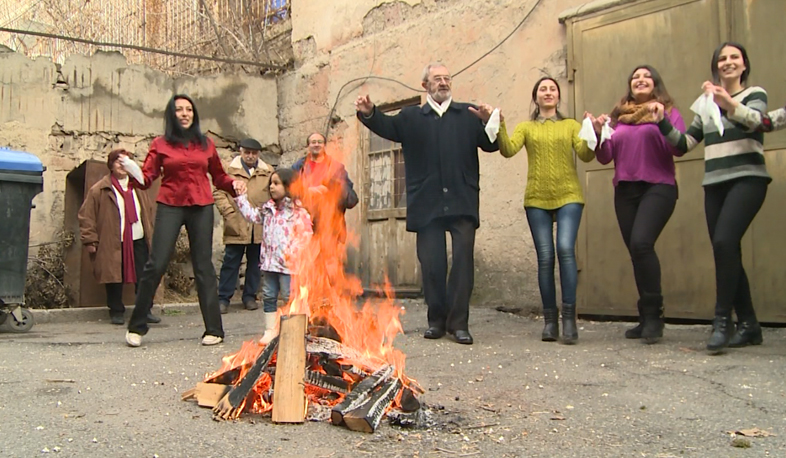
x,y
185,156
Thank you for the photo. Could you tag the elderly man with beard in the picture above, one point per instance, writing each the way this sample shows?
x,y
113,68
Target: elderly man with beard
x,y
440,142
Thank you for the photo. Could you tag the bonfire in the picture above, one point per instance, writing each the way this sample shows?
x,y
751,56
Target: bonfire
x,y
333,359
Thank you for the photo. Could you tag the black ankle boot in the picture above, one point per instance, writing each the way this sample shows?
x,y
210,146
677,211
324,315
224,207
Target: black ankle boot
x,y
748,333
722,331
570,334
652,313
551,329
635,332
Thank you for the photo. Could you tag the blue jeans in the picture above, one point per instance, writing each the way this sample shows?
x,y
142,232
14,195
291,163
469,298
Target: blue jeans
x,y
230,270
272,284
541,223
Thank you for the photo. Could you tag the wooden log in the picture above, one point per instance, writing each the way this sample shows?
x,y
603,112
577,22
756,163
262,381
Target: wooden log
x,y
360,394
333,350
409,403
188,394
209,394
229,377
366,418
289,395
230,405
327,382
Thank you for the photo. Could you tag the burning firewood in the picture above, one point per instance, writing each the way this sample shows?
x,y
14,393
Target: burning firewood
x,y
332,349
327,382
231,404
366,418
360,394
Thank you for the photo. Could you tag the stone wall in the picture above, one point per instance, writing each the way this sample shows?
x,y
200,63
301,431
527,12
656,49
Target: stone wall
x,y
91,105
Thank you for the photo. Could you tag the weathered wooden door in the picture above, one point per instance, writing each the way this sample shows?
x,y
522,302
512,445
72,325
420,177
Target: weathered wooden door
x,y
387,250
604,47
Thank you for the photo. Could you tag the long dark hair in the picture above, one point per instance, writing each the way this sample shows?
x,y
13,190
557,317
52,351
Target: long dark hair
x,y
659,92
287,177
536,112
174,132
716,57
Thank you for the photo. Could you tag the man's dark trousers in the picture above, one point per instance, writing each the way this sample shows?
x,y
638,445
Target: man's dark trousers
x,y
448,305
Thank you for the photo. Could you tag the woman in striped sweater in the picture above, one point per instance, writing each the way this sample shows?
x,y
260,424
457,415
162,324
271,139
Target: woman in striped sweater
x,y
553,194
645,188
735,185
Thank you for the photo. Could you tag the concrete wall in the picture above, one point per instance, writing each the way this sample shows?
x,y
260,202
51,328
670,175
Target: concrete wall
x,y
337,41
94,104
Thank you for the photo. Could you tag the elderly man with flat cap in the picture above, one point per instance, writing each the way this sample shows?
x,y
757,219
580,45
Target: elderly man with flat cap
x,y
240,236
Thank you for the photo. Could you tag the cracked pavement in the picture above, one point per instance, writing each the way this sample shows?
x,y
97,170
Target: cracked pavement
x,y
76,389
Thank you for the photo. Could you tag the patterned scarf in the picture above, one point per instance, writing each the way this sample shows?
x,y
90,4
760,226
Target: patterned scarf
x,y
129,268
632,113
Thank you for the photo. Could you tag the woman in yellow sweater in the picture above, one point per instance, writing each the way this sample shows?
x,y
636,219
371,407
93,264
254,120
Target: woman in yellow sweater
x,y
553,194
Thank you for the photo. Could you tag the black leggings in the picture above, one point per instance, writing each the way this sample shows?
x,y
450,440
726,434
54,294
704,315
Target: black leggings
x,y
730,208
643,209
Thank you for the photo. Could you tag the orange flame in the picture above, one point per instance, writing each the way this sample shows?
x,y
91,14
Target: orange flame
x,y
322,289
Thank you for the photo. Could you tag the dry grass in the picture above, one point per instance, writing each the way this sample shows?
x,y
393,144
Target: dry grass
x,y
44,286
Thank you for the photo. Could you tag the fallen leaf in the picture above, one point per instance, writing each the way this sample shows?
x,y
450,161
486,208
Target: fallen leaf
x,y
557,417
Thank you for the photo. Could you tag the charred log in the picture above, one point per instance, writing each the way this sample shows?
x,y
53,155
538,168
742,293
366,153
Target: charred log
x,y
229,377
366,418
327,382
408,402
230,405
360,394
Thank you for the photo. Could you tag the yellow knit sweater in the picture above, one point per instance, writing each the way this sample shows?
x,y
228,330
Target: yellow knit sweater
x,y
551,179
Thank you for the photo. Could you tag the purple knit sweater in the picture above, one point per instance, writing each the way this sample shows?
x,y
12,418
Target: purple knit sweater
x,y
641,153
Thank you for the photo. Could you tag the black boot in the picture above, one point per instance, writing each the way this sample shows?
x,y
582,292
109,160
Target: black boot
x,y
722,331
570,333
652,313
635,332
748,333
551,329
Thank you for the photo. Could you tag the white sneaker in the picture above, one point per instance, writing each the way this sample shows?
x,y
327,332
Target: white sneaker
x,y
211,340
133,339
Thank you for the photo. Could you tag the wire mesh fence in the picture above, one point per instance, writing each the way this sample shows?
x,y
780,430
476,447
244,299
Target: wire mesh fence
x,y
240,29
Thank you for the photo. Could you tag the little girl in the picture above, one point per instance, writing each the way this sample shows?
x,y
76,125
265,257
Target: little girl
x,y
286,226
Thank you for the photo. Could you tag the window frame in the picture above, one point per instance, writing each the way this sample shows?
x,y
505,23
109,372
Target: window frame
x,y
395,153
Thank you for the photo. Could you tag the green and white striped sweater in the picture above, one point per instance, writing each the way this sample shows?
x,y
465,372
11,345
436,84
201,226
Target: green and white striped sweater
x,y
738,153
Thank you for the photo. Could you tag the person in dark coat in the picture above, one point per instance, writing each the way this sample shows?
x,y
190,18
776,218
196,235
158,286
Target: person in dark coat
x,y
440,142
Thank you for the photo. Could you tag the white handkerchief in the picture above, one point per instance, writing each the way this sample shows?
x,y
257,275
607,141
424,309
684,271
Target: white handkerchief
x,y
492,126
587,133
606,132
708,111
132,168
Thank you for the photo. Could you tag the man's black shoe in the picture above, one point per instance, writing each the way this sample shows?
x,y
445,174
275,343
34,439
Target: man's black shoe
x,y
463,337
116,319
434,333
152,318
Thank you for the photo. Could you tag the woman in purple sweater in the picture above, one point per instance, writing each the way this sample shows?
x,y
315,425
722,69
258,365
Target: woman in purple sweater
x,y
645,190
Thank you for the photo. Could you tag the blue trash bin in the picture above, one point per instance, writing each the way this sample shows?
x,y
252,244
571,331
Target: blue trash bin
x,y
21,179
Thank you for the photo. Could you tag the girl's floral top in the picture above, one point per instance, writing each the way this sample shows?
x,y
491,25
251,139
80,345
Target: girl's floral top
x,y
286,228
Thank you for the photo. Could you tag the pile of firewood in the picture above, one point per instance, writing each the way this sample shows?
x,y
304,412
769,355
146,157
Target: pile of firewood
x,y
299,376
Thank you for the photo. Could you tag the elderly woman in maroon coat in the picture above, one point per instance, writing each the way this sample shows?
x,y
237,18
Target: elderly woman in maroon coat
x,y
116,225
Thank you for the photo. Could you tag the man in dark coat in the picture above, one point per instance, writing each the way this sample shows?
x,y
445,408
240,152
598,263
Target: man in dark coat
x,y
440,142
